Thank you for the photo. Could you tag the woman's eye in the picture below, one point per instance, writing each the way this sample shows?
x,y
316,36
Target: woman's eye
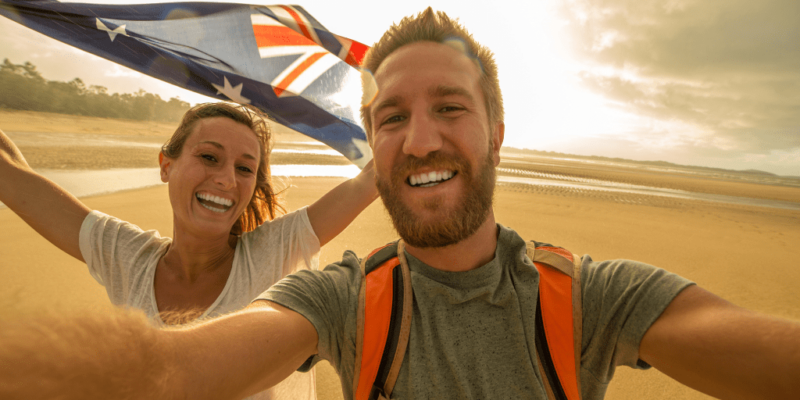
x,y
245,169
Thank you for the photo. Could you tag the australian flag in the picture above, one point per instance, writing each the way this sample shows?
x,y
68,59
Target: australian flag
x,y
277,58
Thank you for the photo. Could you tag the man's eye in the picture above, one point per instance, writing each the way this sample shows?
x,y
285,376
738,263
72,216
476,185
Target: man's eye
x,y
209,157
393,119
446,109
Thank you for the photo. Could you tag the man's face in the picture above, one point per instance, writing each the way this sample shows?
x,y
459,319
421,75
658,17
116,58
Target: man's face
x,y
434,150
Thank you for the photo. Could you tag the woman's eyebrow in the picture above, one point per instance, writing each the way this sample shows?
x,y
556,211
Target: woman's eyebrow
x,y
221,147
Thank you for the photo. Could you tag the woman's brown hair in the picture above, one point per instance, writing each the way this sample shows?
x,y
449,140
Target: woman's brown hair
x,y
265,203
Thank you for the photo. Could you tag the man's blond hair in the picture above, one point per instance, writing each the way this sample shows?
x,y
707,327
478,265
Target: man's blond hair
x,y
433,26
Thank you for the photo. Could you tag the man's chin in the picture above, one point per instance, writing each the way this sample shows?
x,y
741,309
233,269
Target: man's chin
x,y
443,220
434,225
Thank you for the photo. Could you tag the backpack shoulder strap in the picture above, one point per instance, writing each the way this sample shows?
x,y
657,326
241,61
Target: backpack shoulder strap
x,y
558,319
383,321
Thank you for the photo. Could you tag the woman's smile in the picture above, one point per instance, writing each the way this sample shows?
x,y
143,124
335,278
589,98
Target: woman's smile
x,y
214,203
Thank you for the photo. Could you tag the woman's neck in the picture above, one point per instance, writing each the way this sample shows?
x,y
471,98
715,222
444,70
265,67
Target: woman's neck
x,y
190,256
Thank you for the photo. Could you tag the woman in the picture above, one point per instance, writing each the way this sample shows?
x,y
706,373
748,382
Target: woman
x,y
228,245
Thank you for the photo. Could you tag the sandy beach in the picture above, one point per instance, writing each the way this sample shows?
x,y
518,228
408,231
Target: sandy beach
x,y
742,253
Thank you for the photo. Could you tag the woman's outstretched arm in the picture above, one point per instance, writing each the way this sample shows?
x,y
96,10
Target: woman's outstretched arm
x,y
334,211
46,207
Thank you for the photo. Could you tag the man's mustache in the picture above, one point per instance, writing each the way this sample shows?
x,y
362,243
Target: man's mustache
x,y
434,160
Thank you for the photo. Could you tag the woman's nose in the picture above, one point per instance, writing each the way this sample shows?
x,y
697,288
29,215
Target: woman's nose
x,y
226,177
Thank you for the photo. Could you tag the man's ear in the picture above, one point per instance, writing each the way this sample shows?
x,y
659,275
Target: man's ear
x,y
497,140
164,163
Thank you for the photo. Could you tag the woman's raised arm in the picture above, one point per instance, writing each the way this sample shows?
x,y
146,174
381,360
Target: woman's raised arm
x,y
331,214
46,207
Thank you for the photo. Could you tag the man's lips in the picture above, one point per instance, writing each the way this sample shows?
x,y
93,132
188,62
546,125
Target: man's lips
x,y
432,178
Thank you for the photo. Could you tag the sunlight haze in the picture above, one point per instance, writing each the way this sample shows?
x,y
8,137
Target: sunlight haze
x,y
698,82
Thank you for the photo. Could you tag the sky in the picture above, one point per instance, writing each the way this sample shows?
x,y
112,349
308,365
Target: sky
x,y
697,82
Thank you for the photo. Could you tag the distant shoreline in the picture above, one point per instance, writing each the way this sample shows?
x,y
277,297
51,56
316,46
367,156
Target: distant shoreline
x,y
100,143
33,121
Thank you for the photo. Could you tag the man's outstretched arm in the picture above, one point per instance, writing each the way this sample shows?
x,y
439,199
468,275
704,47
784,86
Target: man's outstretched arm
x,y
724,350
120,355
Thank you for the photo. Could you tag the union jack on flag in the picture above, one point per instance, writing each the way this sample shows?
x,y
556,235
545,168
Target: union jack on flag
x,y
278,58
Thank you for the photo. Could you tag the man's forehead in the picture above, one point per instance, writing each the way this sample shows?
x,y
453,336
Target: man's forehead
x,y
419,55
455,73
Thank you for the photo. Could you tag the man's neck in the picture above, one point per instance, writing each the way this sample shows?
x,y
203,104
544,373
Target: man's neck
x,y
465,255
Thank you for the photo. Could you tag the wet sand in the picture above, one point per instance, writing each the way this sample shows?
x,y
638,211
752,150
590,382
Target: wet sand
x,y
741,253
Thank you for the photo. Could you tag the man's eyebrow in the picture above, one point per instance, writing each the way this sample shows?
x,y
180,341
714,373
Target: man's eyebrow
x,y
390,102
443,91
220,146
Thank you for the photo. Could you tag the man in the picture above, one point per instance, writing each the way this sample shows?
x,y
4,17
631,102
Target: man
x,y
436,127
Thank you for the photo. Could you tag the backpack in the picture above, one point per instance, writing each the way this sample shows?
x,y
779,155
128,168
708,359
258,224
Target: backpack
x,y
385,302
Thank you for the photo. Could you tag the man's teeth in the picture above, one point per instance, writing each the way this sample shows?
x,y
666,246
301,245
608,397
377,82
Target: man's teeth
x,y
223,203
430,178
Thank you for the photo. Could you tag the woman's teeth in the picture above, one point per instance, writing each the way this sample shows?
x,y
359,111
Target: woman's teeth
x,y
429,179
214,203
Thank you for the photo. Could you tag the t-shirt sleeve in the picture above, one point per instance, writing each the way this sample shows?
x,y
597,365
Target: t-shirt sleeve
x,y
117,253
621,300
328,299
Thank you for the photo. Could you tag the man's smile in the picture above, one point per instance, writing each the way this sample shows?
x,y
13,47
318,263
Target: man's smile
x,y
429,179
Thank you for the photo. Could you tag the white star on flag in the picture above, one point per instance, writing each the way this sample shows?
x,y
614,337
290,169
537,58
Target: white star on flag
x,y
120,30
233,92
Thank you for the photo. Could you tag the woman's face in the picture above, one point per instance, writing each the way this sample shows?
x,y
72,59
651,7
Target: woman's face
x,y
213,180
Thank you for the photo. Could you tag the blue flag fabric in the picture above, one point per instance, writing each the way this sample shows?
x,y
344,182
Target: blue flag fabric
x,y
277,58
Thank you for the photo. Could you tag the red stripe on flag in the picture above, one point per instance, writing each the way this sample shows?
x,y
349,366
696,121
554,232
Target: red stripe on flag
x,y
356,54
282,85
299,22
268,36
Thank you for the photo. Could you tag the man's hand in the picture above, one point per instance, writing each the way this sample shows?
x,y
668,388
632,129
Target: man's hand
x,y
723,350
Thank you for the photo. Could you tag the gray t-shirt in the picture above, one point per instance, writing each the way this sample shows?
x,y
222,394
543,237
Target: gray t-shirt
x,y
472,333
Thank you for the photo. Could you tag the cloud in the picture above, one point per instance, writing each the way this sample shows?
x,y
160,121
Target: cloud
x,y
727,72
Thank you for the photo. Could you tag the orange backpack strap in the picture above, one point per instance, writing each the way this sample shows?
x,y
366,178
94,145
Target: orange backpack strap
x,y
383,321
558,319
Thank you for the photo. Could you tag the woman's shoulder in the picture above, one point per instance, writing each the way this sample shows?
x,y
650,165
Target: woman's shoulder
x,y
101,227
289,223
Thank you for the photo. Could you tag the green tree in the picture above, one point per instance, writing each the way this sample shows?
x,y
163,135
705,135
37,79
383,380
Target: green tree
x,y
22,87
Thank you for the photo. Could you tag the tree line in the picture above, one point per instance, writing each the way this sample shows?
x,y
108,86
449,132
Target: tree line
x,y
22,87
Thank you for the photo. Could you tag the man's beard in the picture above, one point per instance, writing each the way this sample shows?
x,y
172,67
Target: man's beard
x,y
449,226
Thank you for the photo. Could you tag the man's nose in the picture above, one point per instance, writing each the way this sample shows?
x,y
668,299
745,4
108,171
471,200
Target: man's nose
x,y
423,136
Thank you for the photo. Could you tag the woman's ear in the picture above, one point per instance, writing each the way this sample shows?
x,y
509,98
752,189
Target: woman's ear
x,y
165,163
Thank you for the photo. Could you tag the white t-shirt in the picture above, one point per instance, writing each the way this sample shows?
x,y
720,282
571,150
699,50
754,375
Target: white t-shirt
x,y
123,258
